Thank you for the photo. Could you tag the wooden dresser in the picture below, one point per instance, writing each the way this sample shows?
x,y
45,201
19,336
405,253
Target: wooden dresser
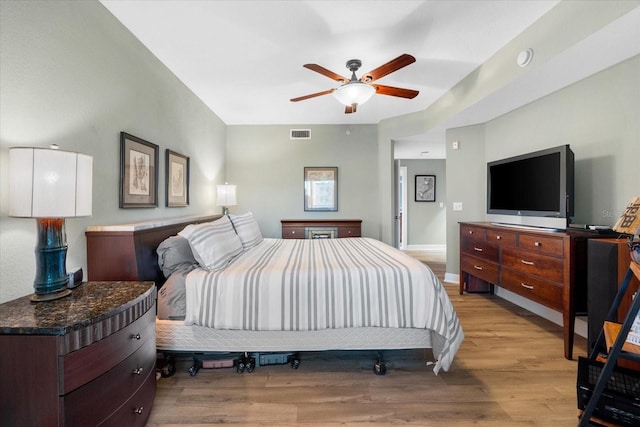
x,y
82,360
320,228
546,267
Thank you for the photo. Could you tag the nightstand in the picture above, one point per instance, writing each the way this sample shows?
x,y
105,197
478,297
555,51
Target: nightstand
x,y
80,360
320,228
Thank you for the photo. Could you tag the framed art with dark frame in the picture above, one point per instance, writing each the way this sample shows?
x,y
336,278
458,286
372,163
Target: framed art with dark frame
x,y
138,172
425,188
320,188
177,179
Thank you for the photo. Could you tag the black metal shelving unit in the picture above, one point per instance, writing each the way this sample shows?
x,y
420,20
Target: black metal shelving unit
x,y
604,381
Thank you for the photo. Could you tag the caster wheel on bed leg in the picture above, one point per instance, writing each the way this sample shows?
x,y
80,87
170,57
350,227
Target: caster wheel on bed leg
x,y
251,364
240,367
167,367
380,367
193,370
295,363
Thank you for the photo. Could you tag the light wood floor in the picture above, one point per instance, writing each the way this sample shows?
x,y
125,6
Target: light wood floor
x,y
509,371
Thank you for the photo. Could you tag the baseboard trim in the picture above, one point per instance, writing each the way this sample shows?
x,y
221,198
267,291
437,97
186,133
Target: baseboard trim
x,y
452,278
430,248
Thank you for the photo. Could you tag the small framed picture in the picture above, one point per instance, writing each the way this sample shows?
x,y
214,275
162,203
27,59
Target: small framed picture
x,y
320,188
425,188
138,172
177,179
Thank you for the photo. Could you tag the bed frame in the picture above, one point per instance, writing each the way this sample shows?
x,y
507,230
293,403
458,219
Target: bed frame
x,y
128,252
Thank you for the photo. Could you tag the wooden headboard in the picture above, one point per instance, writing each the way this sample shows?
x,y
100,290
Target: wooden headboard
x,y
128,251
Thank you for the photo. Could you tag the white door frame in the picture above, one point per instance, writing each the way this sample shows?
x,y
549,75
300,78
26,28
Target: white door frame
x,y
402,195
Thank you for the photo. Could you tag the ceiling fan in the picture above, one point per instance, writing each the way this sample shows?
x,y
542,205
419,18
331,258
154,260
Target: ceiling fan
x,y
354,91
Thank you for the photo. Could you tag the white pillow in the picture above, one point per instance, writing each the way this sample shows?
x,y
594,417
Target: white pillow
x,y
214,244
248,229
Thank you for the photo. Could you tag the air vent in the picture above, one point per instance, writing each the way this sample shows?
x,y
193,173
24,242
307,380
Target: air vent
x,y
300,134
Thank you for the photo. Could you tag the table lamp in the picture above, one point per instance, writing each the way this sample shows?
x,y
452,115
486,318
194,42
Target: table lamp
x,y
226,197
49,185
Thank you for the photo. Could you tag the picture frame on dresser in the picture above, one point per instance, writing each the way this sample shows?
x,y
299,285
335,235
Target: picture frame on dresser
x,y
176,179
138,172
321,189
425,188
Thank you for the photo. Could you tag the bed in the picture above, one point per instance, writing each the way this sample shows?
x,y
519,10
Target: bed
x,y
277,295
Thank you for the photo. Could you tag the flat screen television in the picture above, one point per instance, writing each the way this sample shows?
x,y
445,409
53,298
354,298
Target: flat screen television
x,y
537,184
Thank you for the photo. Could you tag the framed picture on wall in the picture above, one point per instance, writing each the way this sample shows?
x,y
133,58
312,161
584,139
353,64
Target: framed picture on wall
x,y
177,179
320,188
138,172
425,188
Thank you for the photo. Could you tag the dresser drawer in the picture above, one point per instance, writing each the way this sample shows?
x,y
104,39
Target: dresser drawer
x,y
135,411
541,244
480,268
480,249
532,287
96,401
471,232
293,233
348,232
548,267
82,366
504,238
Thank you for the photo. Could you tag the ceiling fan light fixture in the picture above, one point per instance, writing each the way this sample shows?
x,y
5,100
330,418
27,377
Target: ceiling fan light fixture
x,y
354,92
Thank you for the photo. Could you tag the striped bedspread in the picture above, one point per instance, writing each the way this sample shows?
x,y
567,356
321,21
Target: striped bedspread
x,y
313,284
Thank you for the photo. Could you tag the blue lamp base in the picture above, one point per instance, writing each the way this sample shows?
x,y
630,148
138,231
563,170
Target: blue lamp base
x,y
51,260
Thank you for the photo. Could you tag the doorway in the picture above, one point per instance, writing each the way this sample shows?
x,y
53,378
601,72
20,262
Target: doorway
x,y
402,214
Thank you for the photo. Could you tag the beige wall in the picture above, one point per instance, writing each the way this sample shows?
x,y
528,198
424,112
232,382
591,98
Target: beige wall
x,y
268,168
426,224
71,74
597,117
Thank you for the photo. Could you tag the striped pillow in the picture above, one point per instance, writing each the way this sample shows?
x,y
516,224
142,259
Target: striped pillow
x,y
214,244
248,230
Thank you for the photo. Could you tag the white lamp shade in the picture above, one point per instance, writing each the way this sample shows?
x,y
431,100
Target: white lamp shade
x,y
226,195
354,92
46,183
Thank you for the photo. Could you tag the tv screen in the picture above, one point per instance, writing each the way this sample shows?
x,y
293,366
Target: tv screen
x,y
532,184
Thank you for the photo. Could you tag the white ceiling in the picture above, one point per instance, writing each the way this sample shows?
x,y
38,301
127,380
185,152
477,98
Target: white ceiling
x,y
244,58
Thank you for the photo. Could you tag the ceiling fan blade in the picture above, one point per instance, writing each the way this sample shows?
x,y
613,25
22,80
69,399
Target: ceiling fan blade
x,y
348,109
396,91
328,73
313,95
388,68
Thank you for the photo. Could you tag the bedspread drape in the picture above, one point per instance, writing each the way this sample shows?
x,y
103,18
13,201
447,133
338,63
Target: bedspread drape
x,y
289,284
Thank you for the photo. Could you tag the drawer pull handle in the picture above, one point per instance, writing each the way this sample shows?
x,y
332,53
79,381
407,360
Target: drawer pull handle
x,y
527,262
135,336
477,267
538,244
139,410
293,232
137,371
526,286
498,237
477,249
470,231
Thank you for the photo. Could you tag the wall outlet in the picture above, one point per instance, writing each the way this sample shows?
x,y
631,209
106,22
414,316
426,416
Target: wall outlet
x,y
457,206
455,145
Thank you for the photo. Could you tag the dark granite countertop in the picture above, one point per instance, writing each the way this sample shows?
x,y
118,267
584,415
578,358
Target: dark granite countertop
x,y
89,303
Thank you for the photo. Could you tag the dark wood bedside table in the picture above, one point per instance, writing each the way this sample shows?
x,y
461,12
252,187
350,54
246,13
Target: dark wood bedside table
x,y
80,360
319,228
